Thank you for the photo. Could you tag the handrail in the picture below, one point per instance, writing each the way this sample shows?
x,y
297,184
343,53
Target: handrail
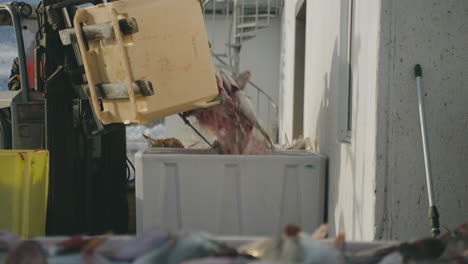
x,y
205,3
275,5
217,57
235,11
266,95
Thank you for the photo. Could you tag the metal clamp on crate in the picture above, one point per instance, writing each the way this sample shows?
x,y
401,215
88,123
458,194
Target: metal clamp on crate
x,y
114,29
99,31
119,90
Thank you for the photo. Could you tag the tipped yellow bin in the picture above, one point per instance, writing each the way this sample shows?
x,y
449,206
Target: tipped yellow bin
x,y
24,180
170,51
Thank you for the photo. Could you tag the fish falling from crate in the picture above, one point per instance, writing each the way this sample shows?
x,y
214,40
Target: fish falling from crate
x,y
163,143
233,121
299,143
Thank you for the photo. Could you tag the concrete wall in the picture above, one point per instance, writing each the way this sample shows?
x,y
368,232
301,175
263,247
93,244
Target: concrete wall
x,y
377,182
433,33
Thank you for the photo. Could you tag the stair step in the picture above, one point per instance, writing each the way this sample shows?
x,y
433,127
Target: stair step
x,y
259,15
246,35
251,25
245,38
226,56
222,55
248,30
234,45
219,55
226,67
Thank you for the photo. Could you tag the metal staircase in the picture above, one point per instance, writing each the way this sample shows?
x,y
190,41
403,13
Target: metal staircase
x,y
242,20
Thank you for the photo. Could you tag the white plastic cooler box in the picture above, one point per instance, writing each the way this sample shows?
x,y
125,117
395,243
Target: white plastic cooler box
x,y
254,195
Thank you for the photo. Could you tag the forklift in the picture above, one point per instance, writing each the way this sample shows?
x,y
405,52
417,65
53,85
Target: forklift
x,y
70,81
88,168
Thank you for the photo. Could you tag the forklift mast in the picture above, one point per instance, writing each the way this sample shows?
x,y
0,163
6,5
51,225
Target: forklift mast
x,y
88,161
87,179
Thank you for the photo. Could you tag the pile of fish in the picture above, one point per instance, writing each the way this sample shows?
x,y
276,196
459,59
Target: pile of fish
x,y
234,121
293,246
164,142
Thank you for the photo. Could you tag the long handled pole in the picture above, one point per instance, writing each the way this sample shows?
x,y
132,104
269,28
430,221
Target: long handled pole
x,y
187,122
433,213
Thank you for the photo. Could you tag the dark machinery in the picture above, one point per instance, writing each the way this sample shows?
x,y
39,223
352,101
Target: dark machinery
x,y
88,184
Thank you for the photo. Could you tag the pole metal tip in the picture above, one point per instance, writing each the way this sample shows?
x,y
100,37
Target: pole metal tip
x,y
434,219
418,70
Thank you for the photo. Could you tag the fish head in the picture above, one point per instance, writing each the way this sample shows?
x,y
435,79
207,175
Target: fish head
x,y
243,79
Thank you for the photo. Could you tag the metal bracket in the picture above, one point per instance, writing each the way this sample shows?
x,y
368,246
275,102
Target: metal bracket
x,y
99,31
119,90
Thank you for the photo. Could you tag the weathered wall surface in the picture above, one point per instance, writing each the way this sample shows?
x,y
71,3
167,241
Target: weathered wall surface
x,y
433,33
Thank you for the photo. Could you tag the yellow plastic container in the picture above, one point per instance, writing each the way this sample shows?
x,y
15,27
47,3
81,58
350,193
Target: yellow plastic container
x,y
170,50
24,180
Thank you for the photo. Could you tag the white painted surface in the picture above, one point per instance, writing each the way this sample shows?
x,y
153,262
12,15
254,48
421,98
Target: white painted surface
x,y
352,173
377,182
352,166
229,195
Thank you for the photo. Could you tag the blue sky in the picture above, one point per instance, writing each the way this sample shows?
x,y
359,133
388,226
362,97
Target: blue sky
x,y
7,51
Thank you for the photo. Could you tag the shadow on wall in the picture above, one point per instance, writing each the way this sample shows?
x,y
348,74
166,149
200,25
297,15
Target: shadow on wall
x,y
327,142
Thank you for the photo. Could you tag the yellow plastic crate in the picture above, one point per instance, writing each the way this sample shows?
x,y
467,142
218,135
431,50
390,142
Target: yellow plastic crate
x,y
24,181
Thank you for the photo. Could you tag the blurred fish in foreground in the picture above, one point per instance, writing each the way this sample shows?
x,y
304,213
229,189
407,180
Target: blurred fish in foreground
x,y
293,246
